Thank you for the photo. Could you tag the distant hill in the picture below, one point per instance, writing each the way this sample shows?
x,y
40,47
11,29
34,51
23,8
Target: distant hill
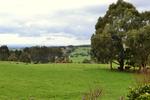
x,y
76,53
80,53
23,46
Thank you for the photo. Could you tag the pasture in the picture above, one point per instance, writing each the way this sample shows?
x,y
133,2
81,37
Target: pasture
x,y
60,81
80,54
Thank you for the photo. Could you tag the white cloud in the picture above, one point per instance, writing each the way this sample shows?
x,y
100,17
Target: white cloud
x,y
32,7
45,39
51,22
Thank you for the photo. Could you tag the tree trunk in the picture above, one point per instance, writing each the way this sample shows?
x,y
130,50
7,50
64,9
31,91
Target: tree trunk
x,y
121,58
111,65
140,68
121,64
144,67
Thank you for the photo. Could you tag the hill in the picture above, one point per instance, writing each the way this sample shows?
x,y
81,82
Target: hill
x,y
80,53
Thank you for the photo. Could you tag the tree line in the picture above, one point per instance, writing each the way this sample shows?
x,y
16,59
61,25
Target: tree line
x,y
34,54
122,36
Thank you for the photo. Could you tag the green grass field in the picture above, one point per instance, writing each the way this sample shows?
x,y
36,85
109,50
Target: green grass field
x,y
60,81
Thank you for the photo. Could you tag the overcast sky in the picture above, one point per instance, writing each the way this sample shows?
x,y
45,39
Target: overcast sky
x,y
53,22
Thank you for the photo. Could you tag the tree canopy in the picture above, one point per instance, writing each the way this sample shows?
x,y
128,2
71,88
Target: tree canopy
x,y
114,30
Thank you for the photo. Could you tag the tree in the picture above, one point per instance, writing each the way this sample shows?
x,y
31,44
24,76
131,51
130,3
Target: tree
x,y
4,53
139,45
55,52
12,57
44,52
35,54
25,57
102,46
18,53
108,42
145,17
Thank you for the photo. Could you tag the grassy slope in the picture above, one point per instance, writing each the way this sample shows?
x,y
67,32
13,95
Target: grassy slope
x,y
78,58
60,81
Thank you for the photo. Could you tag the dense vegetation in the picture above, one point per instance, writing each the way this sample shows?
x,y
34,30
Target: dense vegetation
x,y
43,54
123,36
34,54
140,93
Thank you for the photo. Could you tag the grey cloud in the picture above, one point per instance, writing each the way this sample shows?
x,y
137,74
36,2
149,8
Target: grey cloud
x,y
90,10
79,22
20,31
4,29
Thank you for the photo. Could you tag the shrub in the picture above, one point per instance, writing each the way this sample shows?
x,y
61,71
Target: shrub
x,y
25,57
12,57
93,94
140,93
86,61
144,97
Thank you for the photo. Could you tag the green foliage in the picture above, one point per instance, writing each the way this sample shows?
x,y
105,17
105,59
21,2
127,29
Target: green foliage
x,y
101,48
25,57
139,46
140,93
34,54
86,61
12,57
17,53
107,42
117,32
144,97
4,53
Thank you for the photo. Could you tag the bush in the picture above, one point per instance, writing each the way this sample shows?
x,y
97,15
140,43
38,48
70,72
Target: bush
x,y
12,57
93,94
86,61
25,57
144,97
140,93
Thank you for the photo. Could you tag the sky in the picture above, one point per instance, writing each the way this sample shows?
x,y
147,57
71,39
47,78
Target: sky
x,y
53,22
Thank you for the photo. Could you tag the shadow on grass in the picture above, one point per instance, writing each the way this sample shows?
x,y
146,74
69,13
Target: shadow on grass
x,y
111,70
